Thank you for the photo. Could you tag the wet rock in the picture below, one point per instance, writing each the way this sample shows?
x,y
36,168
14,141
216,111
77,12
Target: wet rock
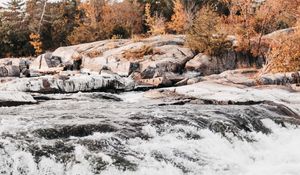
x,y
76,131
10,98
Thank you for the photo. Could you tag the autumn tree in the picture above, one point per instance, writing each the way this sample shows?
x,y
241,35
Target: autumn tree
x,y
156,23
36,10
63,21
88,22
250,20
122,19
284,54
179,20
206,34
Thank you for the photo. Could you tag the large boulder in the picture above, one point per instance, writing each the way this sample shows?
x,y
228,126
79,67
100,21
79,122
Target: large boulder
x,y
208,65
168,59
9,71
204,64
14,67
45,62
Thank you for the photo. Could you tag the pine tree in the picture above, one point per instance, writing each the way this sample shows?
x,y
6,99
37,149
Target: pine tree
x,y
14,39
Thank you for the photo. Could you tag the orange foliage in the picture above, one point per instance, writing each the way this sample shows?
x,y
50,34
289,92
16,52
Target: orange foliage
x,y
284,55
36,43
155,23
179,21
249,21
122,19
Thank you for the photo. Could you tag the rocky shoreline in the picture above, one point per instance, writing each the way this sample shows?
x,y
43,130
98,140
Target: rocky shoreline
x,y
128,65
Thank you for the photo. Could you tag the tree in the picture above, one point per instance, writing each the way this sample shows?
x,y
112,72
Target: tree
x,y
88,22
179,20
64,20
155,23
14,35
284,55
35,37
206,34
122,19
249,21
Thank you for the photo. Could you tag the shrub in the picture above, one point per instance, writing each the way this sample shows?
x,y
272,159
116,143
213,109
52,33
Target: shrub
x,y
284,55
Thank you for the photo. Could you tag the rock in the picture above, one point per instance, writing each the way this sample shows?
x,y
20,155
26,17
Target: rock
x,y
9,71
11,98
182,82
279,78
172,59
151,57
193,81
231,60
62,84
217,93
13,67
45,61
204,64
278,34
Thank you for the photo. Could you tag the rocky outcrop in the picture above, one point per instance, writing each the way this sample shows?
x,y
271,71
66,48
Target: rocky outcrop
x,y
12,98
208,65
151,58
65,84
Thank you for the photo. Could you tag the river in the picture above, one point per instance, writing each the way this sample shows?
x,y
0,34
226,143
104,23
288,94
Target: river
x,y
92,133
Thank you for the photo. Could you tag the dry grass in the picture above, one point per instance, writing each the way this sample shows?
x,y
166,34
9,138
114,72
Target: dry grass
x,y
139,38
94,54
138,53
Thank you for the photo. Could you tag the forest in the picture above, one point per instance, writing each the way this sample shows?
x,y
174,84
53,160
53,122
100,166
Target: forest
x,y
31,27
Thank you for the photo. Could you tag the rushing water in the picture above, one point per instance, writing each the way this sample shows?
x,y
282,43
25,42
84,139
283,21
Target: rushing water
x,y
88,134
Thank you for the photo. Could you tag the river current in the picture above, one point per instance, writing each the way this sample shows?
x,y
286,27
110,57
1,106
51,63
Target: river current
x,y
96,133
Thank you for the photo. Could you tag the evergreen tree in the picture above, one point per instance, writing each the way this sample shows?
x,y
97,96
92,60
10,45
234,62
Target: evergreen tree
x,y
14,38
